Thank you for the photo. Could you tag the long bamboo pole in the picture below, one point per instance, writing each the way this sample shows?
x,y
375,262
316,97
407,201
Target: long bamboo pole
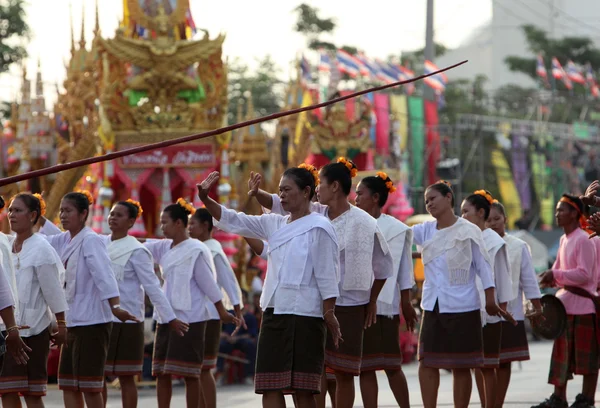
x,y
115,155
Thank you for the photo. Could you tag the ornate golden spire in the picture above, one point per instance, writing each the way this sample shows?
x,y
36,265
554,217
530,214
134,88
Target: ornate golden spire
x,y
97,27
72,30
82,40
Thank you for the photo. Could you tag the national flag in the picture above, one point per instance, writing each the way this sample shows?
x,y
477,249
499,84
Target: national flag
x,y
385,73
408,74
305,74
540,68
574,73
559,73
369,64
438,81
324,61
347,64
591,81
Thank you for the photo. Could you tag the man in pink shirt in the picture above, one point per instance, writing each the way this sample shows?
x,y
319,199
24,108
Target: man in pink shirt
x,y
574,271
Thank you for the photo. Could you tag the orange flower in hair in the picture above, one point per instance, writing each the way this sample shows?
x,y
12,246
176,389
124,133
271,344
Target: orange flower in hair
x,y
89,195
350,165
444,182
137,204
388,182
312,170
487,196
42,204
495,201
186,206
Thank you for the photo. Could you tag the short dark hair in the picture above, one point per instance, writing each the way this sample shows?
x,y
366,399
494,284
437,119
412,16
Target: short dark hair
x,y
203,216
31,202
177,212
480,202
132,209
2,203
577,201
80,201
302,178
376,185
341,173
500,207
443,188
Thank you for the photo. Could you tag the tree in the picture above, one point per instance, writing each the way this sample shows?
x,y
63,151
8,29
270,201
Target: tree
x,y
12,28
465,96
261,84
311,25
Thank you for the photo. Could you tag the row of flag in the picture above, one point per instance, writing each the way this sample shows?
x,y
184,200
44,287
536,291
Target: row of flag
x,y
571,73
360,66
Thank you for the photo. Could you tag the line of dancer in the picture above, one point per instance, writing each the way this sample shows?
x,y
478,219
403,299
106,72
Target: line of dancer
x,y
338,278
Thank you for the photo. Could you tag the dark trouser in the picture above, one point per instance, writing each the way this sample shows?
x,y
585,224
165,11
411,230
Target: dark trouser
x,y
247,346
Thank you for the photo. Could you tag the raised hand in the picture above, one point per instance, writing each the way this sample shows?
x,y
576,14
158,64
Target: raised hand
x,y
207,184
254,183
594,223
589,198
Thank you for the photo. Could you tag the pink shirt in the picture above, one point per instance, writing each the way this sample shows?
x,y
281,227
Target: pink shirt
x,y
575,265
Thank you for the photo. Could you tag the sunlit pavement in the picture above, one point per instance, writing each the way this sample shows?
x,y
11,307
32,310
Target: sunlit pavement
x,y
528,387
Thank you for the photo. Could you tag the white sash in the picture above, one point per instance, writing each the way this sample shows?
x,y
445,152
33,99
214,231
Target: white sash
x,y
36,251
399,239
356,231
295,258
493,243
179,261
455,242
515,246
70,258
120,251
9,270
217,250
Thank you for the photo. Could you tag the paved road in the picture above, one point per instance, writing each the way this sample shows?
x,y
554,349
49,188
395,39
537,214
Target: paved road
x,y
528,387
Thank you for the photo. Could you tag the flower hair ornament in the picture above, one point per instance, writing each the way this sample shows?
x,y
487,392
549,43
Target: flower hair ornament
x,y
42,204
388,181
186,206
312,170
487,196
444,182
350,165
137,204
88,195
494,201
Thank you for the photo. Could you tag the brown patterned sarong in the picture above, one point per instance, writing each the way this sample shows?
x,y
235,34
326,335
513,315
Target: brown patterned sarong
x,y
381,345
181,356
126,349
290,353
576,351
347,358
212,338
513,346
451,340
81,366
30,379
492,337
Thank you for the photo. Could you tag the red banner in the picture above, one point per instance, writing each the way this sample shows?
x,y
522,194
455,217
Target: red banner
x,y
196,155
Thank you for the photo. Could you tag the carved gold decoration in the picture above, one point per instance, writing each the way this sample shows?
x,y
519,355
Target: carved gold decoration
x,y
337,136
162,22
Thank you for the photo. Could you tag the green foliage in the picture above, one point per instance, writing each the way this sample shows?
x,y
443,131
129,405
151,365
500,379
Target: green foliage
x,y
12,28
262,84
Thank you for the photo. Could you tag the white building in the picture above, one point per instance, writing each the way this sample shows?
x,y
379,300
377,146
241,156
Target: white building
x,y
488,46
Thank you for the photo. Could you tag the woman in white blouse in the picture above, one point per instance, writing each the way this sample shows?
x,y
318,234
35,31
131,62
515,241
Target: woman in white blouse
x,y
190,286
381,343
450,337
476,209
513,345
134,270
201,227
300,289
39,276
93,298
